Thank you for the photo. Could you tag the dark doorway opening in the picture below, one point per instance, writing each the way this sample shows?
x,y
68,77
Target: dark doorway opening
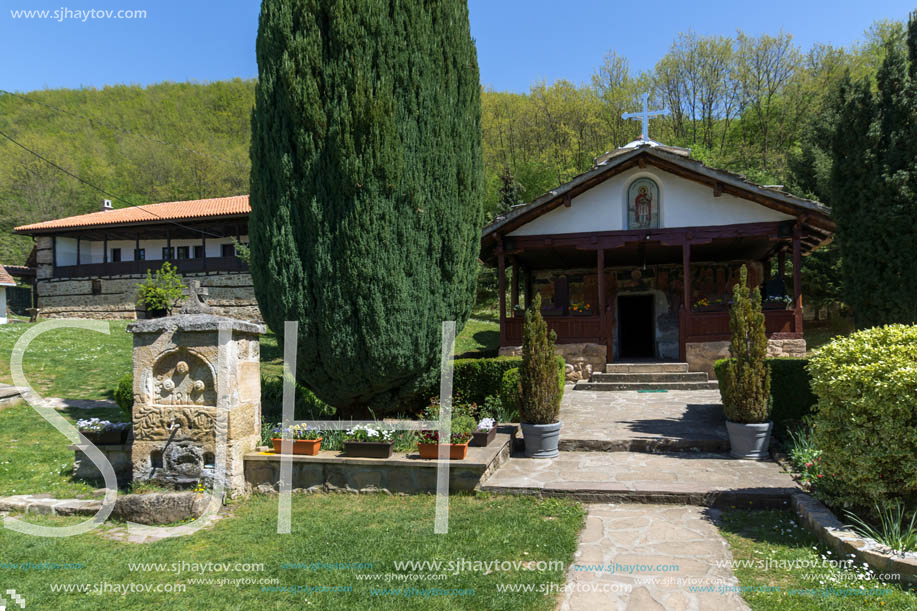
x,y
636,327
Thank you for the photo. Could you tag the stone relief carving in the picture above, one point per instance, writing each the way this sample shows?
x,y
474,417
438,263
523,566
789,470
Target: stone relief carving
x,y
194,424
181,377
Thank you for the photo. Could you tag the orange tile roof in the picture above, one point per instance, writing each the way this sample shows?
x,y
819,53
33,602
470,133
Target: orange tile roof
x,y
168,211
5,278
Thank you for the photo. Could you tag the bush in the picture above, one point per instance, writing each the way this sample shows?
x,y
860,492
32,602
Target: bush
x,y
745,383
473,380
540,401
124,395
791,395
163,291
865,422
511,387
306,405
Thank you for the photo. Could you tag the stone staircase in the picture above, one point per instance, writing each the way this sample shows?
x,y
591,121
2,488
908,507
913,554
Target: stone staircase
x,y
647,376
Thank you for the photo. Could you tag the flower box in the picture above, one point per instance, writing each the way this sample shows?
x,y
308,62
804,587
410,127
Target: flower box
x,y
710,308
457,451
106,438
481,439
368,449
303,447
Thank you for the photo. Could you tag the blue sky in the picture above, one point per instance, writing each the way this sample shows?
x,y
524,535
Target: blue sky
x,y
519,42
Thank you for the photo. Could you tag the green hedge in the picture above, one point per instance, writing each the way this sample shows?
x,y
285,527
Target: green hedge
x,y
865,424
791,393
473,380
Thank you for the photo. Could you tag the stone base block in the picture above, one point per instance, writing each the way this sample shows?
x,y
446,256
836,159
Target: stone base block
x,y
582,359
702,355
119,456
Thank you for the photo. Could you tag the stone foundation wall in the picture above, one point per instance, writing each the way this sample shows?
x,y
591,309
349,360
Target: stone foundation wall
x,y
581,359
702,355
229,293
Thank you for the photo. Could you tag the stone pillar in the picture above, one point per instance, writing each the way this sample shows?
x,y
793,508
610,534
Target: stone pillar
x,y
177,383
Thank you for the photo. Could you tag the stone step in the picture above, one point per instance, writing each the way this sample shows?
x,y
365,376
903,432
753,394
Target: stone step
x,y
698,376
624,477
648,445
646,368
618,386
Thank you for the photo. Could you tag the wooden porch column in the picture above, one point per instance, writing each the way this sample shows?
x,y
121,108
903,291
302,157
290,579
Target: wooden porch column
x,y
501,289
515,289
797,284
686,269
77,251
137,266
168,244
105,247
600,270
204,251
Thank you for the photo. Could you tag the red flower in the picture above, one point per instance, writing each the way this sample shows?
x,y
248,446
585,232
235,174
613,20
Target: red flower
x,y
820,475
808,464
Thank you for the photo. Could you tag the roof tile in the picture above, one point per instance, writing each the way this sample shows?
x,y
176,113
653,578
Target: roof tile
x,y
168,211
5,278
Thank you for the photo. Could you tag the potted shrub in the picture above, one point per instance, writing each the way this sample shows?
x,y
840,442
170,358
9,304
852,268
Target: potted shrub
x,y
745,384
539,404
462,427
307,440
103,432
484,433
367,441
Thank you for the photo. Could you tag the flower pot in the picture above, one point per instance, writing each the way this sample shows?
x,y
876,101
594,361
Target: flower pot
x,y
106,438
481,439
541,439
749,440
457,451
368,449
303,447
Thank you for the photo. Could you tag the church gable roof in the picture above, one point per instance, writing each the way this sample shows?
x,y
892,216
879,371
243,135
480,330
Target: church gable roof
x,y
814,215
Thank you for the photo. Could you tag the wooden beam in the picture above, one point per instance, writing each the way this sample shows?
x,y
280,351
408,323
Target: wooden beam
x,y
515,289
204,251
600,270
717,189
501,276
797,275
105,249
77,251
686,270
568,201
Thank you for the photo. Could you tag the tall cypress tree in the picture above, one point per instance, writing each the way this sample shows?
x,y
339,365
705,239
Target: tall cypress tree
x,y
366,187
874,187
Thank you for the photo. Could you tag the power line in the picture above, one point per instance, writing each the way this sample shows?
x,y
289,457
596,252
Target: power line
x,y
123,130
103,191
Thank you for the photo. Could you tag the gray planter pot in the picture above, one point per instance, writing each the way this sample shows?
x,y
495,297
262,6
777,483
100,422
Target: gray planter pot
x,y
541,439
749,440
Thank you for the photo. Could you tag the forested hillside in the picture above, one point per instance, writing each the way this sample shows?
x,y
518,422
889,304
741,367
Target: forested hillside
x,y
746,104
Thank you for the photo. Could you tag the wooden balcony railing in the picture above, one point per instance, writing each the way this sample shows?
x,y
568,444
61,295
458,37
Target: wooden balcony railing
x,y
126,268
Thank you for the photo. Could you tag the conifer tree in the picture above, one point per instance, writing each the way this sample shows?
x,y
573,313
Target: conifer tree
x,y
747,384
541,394
366,187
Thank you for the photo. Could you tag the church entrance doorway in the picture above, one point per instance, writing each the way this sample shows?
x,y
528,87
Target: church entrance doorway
x,y
636,327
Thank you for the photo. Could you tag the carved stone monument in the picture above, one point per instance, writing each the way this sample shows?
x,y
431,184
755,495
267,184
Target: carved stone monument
x,y
180,389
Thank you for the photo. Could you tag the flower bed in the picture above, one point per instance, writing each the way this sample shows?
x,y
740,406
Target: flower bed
x,y
104,432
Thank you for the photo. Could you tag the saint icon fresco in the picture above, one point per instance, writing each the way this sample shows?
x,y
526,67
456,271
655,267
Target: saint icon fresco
x,y
643,204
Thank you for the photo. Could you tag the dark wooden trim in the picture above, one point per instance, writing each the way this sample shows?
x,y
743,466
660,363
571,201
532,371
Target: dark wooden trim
x,y
105,249
169,245
501,288
204,248
797,281
53,251
188,223
671,236
514,292
686,270
77,251
125,268
600,272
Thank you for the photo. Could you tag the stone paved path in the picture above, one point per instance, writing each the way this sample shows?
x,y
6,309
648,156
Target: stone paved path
x,y
637,421
641,538
681,477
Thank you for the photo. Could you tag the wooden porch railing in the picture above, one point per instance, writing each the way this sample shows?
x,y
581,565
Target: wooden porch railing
x,y
569,329
125,268
714,326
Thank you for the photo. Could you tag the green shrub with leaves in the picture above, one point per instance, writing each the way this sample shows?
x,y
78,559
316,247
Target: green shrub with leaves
x,y
745,383
792,399
162,291
511,390
865,422
124,395
473,380
540,401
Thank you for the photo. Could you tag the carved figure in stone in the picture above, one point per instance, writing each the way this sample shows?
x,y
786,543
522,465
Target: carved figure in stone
x,y
181,377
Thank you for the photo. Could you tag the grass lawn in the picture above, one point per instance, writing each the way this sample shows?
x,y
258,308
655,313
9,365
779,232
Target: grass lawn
x,y
70,363
35,458
768,542
371,529
479,337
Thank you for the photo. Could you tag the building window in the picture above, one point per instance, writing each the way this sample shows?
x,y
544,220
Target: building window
x,y
139,254
168,252
199,252
228,250
96,287
116,254
182,252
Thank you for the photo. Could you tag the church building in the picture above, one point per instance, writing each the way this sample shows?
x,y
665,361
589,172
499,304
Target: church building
x,y
636,259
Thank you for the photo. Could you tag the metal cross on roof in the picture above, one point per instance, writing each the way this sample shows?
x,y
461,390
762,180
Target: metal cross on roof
x,y
644,116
